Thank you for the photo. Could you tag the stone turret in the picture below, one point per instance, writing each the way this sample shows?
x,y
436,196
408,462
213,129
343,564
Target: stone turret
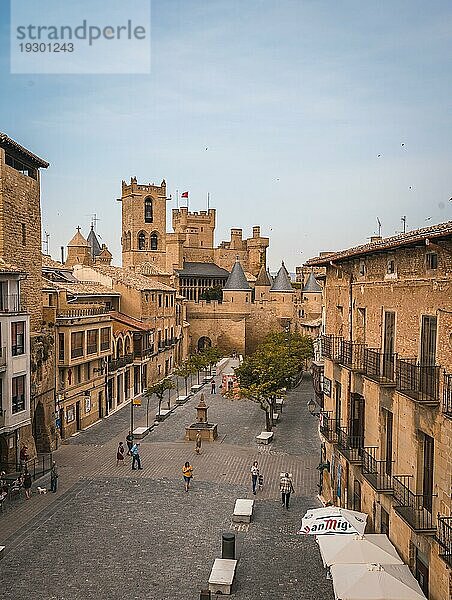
x,y
237,290
262,284
78,251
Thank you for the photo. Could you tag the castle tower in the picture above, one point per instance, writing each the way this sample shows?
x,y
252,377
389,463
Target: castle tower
x,y
262,285
197,227
311,295
143,224
237,291
104,257
282,293
256,249
78,251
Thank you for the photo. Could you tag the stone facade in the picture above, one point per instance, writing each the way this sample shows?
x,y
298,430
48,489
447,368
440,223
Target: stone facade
x,y
387,393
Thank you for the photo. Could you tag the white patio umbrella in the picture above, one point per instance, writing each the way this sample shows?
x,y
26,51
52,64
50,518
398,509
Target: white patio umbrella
x,y
332,520
375,582
358,549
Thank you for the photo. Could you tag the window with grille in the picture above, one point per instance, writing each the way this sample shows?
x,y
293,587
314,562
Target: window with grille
x,y
18,394
17,338
431,260
148,212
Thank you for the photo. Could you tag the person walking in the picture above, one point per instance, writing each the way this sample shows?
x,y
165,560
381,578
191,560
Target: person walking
x,y
135,451
54,477
187,471
120,454
254,475
286,488
27,483
213,387
198,443
129,442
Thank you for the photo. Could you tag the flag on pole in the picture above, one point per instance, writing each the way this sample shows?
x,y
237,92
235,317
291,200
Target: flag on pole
x,y
184,195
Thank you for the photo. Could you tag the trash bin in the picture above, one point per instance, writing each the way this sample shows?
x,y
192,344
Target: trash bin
x,y
228,546
205,595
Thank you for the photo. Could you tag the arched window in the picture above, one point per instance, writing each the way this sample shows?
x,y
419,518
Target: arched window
x,y
154,241
141,241
119,348
148,213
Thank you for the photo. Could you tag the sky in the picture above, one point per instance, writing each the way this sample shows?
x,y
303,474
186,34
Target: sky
x,y
310,118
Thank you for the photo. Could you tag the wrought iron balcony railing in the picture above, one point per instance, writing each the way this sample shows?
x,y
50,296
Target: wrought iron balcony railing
x,y
376,471
329,427
332,347
419,382
415,509
379,366
447,394
444,538
118,363
352,355
350,446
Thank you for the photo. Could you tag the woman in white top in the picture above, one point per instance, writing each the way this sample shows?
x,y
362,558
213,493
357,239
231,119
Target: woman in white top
x,y
254,475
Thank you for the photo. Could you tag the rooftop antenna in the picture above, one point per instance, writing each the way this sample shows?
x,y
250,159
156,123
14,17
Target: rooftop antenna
x,y
46,242
379,227
403,219
208,201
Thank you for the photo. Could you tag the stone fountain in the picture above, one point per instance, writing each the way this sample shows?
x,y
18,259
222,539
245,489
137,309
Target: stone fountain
x,y
207,430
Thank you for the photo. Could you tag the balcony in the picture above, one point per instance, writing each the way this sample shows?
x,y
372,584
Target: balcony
x,y
419,382
379,366
352,355
444,538
119,363
10,303
74,313
329,427
3,358
349,446
447,395
332,347
374,471
412,507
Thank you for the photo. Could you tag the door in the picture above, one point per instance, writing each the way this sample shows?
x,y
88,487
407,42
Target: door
x,y
356,421
388,454
427,479
421,573
384,522
338,404
99,405
427,357
356,495
388,345
78,418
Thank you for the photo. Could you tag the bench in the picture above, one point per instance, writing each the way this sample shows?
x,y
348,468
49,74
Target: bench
x,y
196,388
162,415
140,432
2,551
222,575
243,510
207,379
276,416
182,399
264,437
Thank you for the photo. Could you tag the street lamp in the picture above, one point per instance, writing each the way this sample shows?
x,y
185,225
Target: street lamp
x,y
311,407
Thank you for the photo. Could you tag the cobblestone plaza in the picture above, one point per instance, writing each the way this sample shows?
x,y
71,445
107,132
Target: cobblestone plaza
x,y
111,532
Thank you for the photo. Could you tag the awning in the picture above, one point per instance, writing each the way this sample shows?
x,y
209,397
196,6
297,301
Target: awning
x,y
375,582
358,549
333,520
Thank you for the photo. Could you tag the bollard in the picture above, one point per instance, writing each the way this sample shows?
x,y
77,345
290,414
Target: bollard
x,y
228,546
205,595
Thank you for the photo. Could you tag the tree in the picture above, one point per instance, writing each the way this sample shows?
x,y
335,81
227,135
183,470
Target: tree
x,y
212,355
274,365
159,390
198,361
185,370
213,293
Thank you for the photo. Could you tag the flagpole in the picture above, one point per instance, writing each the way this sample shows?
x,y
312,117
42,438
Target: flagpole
x,y
208,201
177,199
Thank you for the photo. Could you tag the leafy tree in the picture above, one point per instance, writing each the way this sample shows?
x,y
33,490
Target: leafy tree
x,y
213,293
159,390
186,370
211,356
273,366
199,362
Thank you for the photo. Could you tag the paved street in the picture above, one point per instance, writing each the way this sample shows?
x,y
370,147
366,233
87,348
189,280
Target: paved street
x,y
111,532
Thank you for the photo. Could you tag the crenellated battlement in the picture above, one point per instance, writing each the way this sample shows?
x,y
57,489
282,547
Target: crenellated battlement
x,y
150,188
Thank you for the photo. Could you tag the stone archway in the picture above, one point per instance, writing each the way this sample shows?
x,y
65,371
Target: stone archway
x,y
204,342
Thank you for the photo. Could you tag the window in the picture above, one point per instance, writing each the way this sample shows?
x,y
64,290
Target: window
x,y
105,338
154,241
92,341
362,267
391,266
384,522
20,166
148,213
18,394
17,338
77,343
166,301
427,479
160,300
142,241
388,449
61,347
431,260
